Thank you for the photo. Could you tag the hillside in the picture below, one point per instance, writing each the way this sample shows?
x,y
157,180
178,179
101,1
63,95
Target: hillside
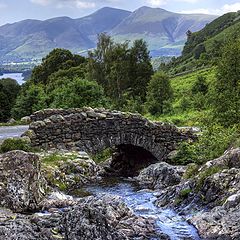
x,y
204,47
164,31
34,39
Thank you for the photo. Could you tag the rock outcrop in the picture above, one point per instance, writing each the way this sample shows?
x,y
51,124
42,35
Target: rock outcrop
x,y
105,218
213,190
160,175
22,186
69,170
92,218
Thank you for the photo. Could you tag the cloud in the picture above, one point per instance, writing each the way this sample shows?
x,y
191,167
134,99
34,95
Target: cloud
x,y
231,7
159,3
41,2
222,10
67,3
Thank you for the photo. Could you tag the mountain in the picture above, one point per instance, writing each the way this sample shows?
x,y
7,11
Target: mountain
x,y
34,39
164,31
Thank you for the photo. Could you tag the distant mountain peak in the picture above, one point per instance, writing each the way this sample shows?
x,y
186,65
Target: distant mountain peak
x,y
30,39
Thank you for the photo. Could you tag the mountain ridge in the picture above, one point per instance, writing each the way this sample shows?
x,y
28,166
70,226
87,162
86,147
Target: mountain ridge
x,y
30,38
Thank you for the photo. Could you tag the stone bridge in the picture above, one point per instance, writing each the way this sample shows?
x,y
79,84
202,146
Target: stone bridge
x,y
93,130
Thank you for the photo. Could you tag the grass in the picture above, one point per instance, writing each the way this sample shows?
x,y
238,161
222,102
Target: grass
x,y
102,156
205,174
11,144
12,124
54,158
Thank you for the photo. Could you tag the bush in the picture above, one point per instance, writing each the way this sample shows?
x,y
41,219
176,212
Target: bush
x,y
191,171
213,142
11,144
102,156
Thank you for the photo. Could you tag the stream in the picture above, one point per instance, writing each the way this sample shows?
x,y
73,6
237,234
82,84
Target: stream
x,y
142,203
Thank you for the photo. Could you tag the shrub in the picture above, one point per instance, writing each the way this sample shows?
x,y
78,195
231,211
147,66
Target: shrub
x,y
192,170
11,144
210,145
102,156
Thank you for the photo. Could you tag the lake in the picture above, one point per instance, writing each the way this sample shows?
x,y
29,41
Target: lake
x,y
17,76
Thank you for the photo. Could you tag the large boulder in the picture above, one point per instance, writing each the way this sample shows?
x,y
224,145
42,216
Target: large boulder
x,y
103,218
22,186
222,222
160,175
213,191
69,170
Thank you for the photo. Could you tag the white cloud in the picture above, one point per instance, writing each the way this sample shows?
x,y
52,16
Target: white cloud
x,y
41,2
85,5
159,3
222,10
66,3
231,7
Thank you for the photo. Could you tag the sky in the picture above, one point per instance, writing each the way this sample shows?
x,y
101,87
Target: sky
x,y
16,10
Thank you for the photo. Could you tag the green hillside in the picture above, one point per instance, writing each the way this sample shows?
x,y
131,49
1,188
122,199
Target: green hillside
x,y
185,111
203,48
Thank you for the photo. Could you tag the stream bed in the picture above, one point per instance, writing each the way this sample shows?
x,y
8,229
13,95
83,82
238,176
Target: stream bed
x,y
142,203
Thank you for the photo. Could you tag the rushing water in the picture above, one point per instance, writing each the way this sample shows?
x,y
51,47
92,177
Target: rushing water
x,y
17,76
142,203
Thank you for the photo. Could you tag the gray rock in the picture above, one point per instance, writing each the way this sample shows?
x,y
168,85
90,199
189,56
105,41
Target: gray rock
x,y
219,223
11,121
160,175
26,120
22,186
105,218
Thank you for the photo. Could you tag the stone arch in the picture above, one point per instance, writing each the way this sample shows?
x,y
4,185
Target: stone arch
x,y
92,130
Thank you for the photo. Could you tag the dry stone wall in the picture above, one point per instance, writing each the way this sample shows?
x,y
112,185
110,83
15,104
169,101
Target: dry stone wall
x,y
93,130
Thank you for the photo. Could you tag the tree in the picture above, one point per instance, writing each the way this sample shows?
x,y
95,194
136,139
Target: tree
x,y
79,93
120,69
9,89
159,93
199,50
141,69
31,98
226,90
57,59
99,64
200,85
